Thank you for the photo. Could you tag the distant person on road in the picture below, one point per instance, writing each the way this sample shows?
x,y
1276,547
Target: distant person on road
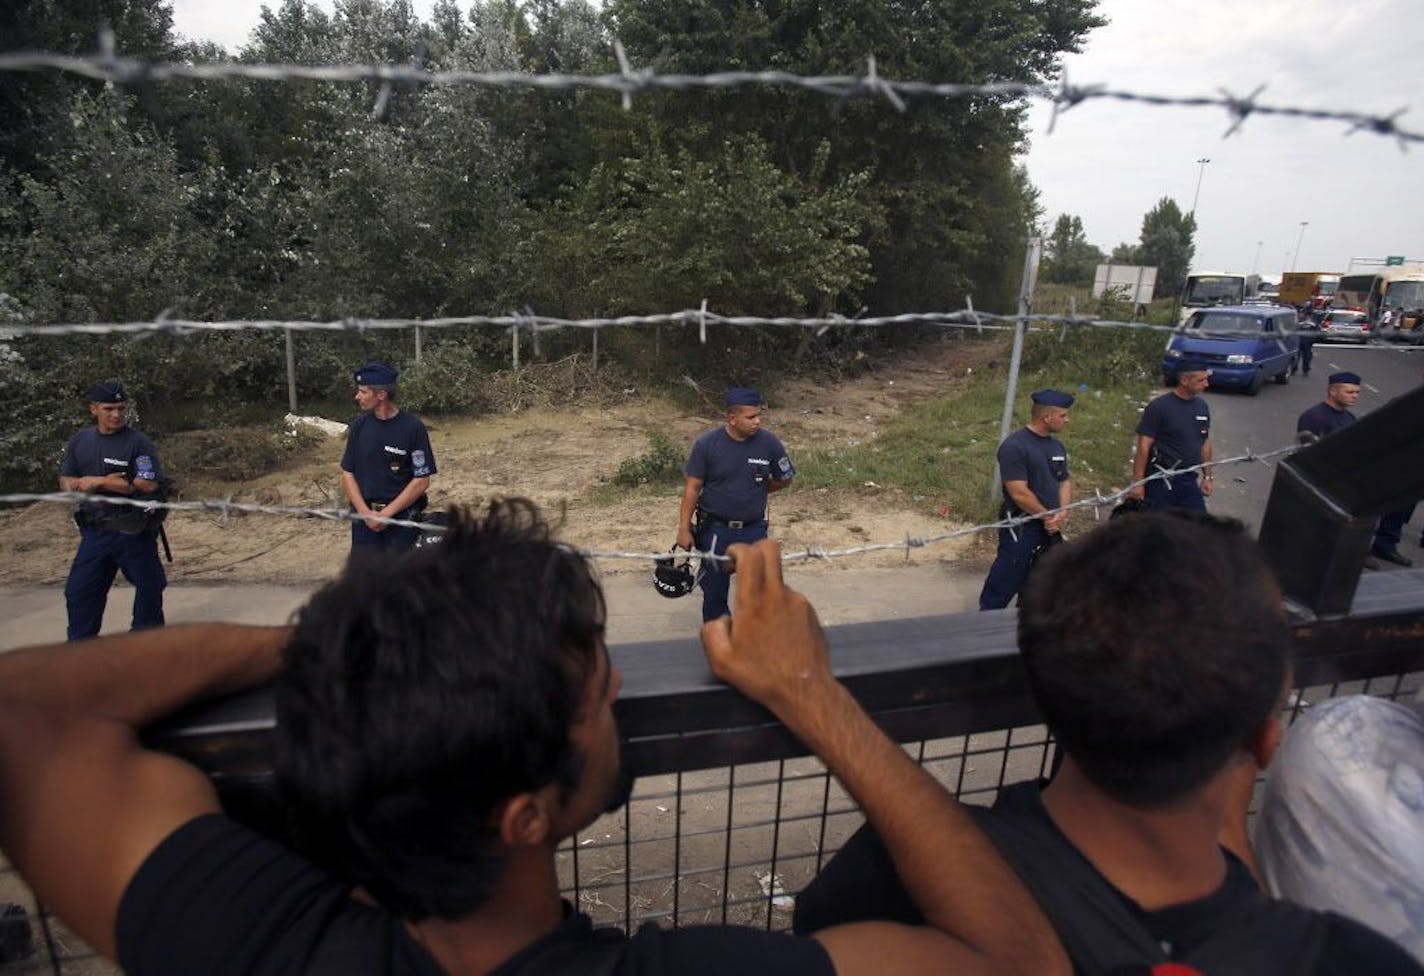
x,y
728,476
445,723
1159,656
1342,391
112,459
1175,433
1033,467
1307,328
387,465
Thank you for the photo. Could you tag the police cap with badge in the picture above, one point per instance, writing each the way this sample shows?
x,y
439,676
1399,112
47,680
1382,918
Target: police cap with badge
x,y
376,373
108,391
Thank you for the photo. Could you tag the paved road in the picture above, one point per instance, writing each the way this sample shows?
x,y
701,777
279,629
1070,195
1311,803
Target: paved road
x,y
1267,420
847,594
636,612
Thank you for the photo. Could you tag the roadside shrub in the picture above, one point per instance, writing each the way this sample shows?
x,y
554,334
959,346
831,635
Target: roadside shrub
x,y
661,464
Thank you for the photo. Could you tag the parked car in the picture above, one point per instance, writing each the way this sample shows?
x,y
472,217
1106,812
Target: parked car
x,y
1244,345
1345,325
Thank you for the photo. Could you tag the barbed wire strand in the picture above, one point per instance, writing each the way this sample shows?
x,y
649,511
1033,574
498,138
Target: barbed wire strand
x,y
228,507
966,318
108,65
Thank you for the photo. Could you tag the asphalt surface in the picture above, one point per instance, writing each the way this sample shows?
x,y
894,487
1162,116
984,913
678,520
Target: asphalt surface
x,y
1267,421
847,594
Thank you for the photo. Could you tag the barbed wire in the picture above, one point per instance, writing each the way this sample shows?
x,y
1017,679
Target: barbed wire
x,y
228,507
965,318
108,65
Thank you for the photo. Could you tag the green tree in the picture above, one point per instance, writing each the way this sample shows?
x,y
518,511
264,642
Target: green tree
x,y
1167,244
1068,257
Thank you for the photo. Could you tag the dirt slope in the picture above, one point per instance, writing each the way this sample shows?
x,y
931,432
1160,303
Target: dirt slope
x,y
556,457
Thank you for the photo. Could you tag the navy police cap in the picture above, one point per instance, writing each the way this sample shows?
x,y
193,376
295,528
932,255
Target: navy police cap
x,y
742,396
376,373
1051,398
108,391
1344,377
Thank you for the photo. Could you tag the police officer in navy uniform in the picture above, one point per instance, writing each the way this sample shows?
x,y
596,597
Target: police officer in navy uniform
x,y
112,459
1342,391
1175,432
1033,465
387,465
729,474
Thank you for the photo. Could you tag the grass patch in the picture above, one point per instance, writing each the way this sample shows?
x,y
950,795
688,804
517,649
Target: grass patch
x,y
660,465
234,453
942,451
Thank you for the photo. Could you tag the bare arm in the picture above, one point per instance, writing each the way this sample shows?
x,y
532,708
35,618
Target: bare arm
x,y
409,495
1054,523
1026,500
115,483
776,484
82,803
980,917
1208,480
1139,464
691,492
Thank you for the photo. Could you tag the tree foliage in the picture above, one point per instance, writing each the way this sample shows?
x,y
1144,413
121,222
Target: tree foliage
x,y
1167,242
242,199
1068,258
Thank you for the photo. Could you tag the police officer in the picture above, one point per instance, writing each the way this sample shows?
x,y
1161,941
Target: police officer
x,y
1033,465
1175,432
1342,391
112,459
729,474
388,462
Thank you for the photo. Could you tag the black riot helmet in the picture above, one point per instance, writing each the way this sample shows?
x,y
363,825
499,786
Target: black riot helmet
x,y
673,576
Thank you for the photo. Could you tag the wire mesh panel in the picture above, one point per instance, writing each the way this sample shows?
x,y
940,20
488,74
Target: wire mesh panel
x,y
732,844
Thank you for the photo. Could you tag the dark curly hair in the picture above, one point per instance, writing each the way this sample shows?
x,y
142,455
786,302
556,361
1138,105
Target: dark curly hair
x,y
421,690
1155,646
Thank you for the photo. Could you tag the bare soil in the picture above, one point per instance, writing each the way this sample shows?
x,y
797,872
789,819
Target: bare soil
x,y
560,458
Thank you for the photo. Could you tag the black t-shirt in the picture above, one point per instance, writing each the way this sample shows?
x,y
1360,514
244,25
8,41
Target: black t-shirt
x,y
736,475
860,883
127,451
385,455
1039,460
1323,419
1178,428
218,899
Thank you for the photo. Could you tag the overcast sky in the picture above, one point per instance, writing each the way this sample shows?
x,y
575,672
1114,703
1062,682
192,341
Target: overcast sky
x,y
1109,162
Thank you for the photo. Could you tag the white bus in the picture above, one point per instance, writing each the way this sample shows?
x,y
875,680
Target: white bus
x,y
1207,288
1398,288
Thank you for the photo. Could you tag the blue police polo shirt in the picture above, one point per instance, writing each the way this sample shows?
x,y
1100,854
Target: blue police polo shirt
x,y
385,455
1178,429
1323,419
736,475
126,451
1042,461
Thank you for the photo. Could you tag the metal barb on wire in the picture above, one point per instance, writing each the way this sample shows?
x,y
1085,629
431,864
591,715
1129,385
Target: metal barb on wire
x,y
1239,108
227,508
108,65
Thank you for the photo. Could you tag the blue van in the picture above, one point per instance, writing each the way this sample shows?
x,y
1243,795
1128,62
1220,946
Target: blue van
x,y
1244,345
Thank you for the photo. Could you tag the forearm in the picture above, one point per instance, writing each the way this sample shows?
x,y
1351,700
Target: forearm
x,y
1026,501
137,678
952,872
774,485
353,493
1140,456
685,510
1065,493
409,495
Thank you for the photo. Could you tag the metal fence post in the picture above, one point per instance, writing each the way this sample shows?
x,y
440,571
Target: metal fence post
x,y
1030,277
291,374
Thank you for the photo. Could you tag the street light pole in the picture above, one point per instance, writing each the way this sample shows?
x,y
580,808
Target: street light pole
x,y
1299,237
1256,261
1200,173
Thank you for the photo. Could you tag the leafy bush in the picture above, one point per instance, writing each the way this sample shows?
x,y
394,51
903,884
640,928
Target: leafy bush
x,y
661,465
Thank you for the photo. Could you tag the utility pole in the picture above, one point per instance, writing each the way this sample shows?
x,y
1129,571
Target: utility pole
x,y
1200,173
1299,237
1030,276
